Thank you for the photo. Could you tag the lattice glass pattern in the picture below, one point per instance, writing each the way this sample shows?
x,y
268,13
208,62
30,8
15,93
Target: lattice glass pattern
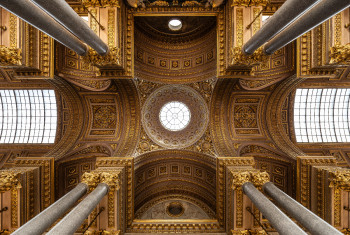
x,y
28,116
322,115
174,116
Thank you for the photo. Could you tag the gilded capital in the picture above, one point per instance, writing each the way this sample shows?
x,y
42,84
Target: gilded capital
x,y
92,179
260,178
111,179
340,179
100,3
340,54
239,178
9,181
240,58
10,55
247,3
111,59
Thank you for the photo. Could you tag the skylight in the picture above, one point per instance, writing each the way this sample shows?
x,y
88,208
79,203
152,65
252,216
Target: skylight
x,y
174,116
322,115
28,116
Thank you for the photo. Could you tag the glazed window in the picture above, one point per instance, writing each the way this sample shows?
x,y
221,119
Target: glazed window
x,y
28,116
322,115
174,116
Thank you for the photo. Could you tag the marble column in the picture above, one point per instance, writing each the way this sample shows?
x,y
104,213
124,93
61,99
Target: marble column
x,y
32,14
317,15
46,218
305,217
287,13
275,216
63,13
71,222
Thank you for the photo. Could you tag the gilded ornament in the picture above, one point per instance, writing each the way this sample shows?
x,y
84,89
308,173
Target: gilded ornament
x,y
92,179
240,58
10,55
248,3
160,3
239,178
340,179
100,3
9,181
340,54
111,179
191,4
112,58
260,178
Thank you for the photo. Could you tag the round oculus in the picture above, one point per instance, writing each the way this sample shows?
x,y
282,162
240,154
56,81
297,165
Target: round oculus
x,y
174,116
175,24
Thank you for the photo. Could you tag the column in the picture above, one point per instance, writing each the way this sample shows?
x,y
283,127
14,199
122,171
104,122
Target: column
x,y
277,218
317,15
71,222
305,217
63,13
33,15
287,13
46,218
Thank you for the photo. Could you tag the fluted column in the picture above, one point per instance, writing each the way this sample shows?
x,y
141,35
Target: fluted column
x,y
317,15
46,218
71,222
29,12
63,13
305,217
286,14
276,217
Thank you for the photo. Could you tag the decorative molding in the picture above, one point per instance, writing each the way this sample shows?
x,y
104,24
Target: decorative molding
x,y
340,179
256,177
9,180
249,3
101,3
240,58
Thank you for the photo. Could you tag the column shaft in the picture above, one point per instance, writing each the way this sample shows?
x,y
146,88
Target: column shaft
x,y
286,14
71,222
63,13
47,217
277,218
309,220
317,15
29,12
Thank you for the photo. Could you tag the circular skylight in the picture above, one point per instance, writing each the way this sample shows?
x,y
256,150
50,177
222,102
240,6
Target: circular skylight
x,y
174,116
175,24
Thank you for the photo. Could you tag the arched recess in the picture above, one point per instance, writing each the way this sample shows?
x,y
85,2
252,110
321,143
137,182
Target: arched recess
x,y
274,117
219,117
175,174
74,118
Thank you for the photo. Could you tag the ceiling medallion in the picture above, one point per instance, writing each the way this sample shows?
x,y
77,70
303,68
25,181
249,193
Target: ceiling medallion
x,y
175,116
175,209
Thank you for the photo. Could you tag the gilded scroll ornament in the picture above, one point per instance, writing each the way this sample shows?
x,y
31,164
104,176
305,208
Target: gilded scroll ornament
x,y
111,179
92,179
10,55
239,58
191,4
248,3
9,181
340,180
340,54
100,3
111,59
160,3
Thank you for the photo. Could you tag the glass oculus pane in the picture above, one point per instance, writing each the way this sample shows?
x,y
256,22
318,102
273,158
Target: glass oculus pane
x,y
174,116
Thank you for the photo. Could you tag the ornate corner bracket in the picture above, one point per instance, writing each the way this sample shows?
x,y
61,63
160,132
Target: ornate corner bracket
x,y
100,3
258,178
340,179
239,58
111,178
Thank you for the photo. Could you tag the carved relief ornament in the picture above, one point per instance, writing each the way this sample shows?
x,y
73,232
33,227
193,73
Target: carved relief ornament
x,y
92,179
340,179
100,3
112,58
10,55
9,181
240,58
340,54
248,3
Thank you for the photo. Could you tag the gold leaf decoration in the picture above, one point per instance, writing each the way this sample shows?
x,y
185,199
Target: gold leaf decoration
x,y
112,58
10,55
240,58
340,54
100,3
9,181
